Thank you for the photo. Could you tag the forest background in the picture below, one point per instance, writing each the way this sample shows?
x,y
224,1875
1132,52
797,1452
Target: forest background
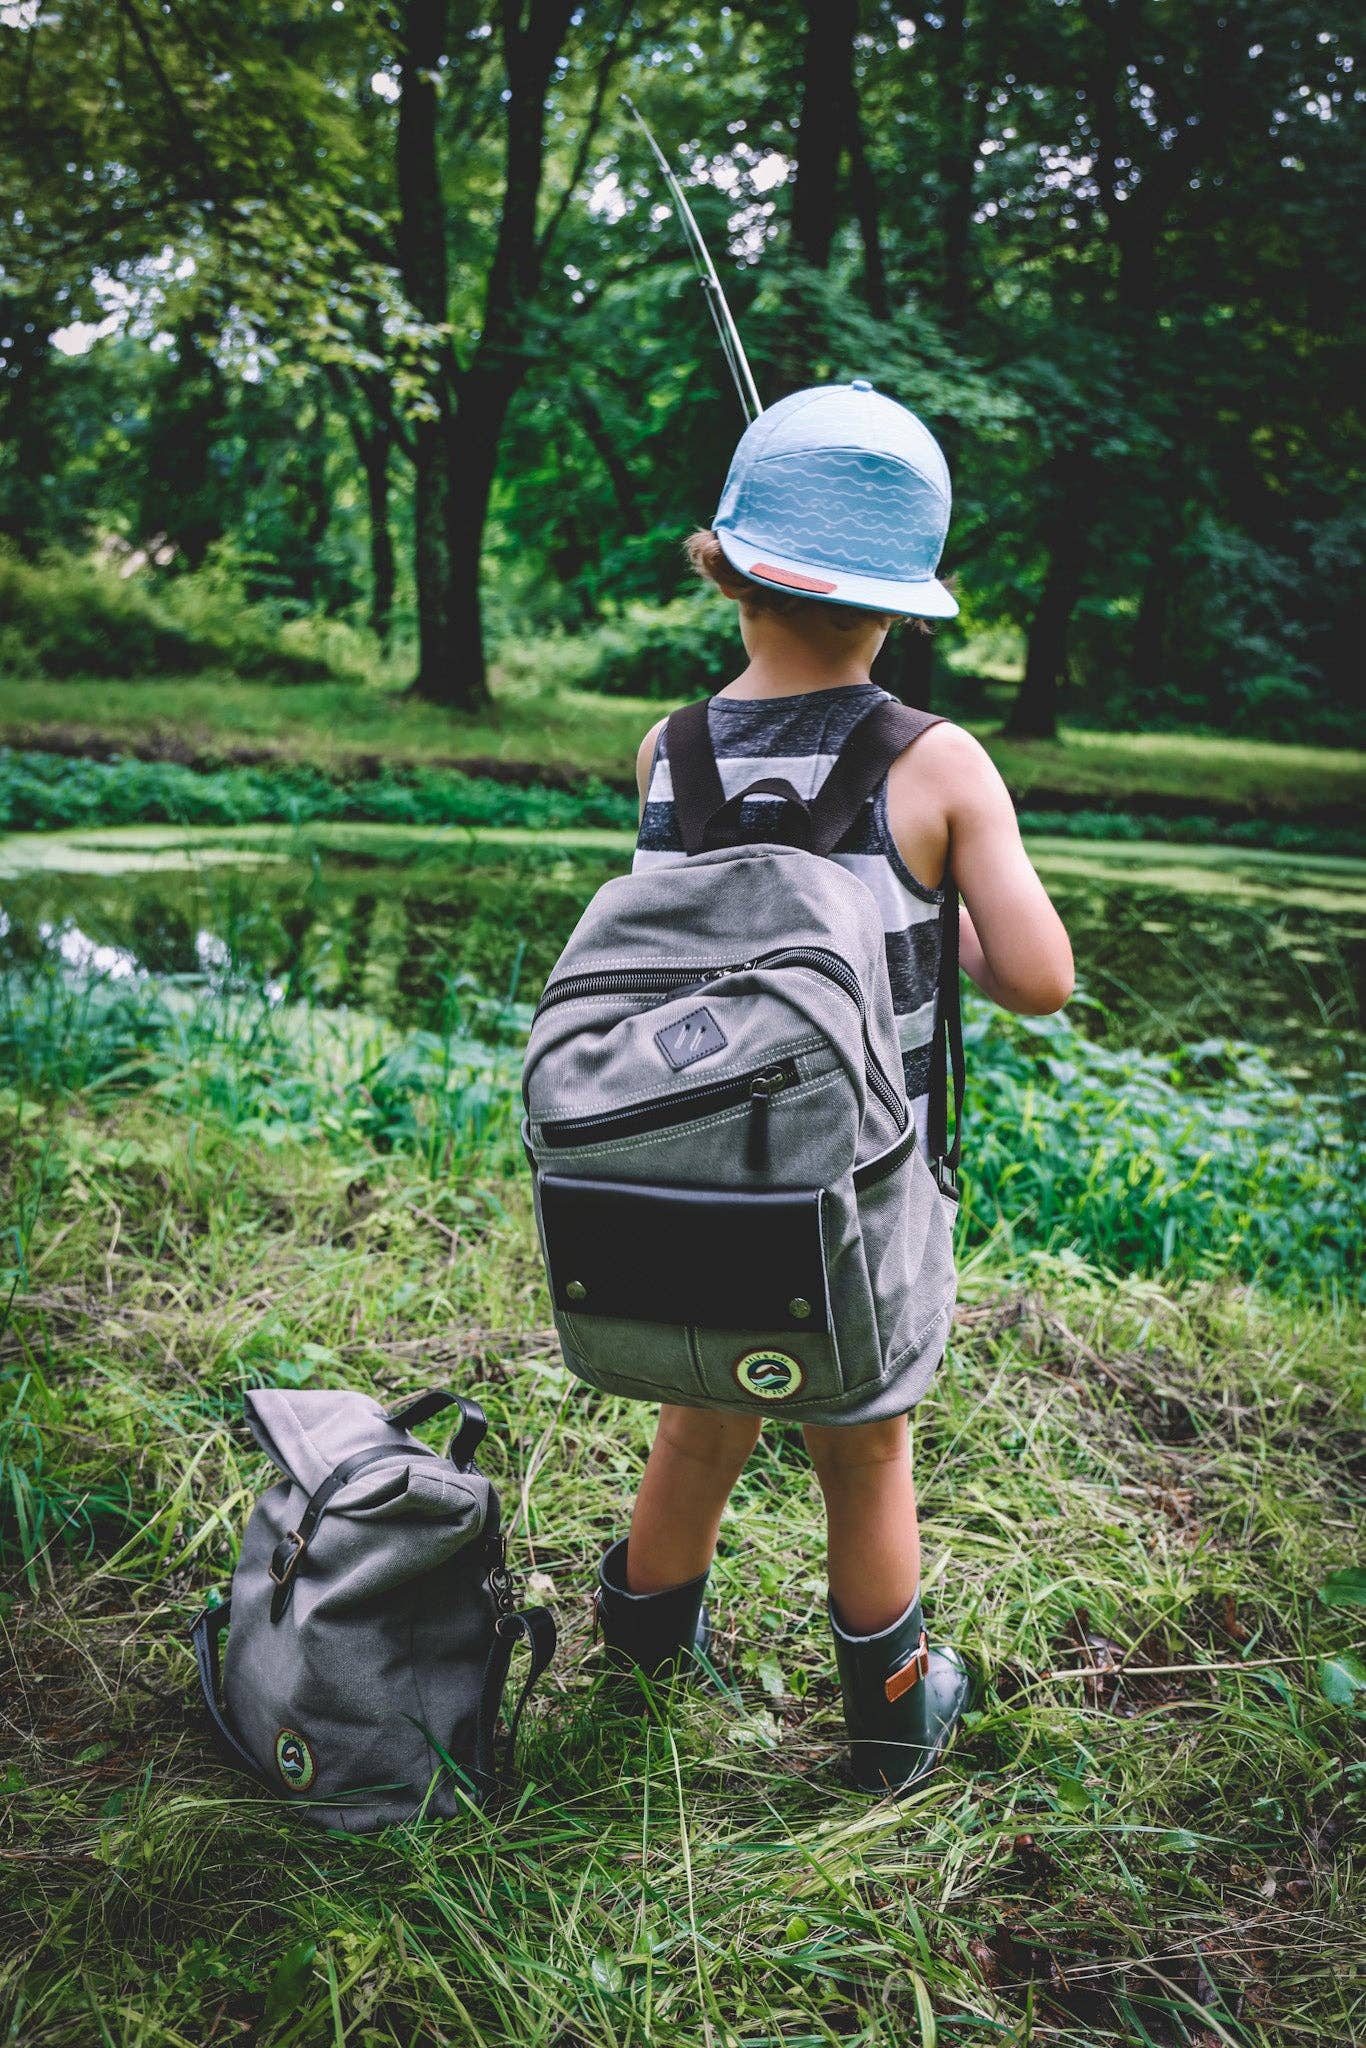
x,y
380,315
355,398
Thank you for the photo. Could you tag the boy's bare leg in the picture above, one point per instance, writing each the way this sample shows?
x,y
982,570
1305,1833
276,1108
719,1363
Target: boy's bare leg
x,y
872,1533
697,1457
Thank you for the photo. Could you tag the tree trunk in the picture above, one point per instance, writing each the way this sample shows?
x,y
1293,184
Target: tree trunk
x,y
827,63
599,437
1034,714
472,459
863,192
957,163
441,674
383,575
905,665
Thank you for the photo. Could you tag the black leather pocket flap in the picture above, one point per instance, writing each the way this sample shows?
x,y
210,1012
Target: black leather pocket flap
x,y
711,1257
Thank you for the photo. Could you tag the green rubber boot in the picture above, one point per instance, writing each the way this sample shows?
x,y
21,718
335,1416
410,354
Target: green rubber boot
x,y
902,1701
650,1632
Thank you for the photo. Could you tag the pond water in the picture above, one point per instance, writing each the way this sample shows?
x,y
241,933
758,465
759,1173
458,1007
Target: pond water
x,y
1172,943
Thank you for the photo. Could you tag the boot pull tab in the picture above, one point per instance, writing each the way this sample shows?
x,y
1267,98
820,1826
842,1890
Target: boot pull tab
x,y
910,1674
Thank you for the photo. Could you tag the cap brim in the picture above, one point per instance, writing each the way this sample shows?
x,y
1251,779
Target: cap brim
x,y
925,600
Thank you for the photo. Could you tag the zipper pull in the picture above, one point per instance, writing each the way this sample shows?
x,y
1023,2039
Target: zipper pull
x,y
761,1092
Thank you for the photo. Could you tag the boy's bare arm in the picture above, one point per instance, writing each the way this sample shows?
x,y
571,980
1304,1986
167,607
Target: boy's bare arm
x,y
645,755
952,800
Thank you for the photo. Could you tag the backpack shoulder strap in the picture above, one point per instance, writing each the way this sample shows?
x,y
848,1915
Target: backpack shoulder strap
x,y
704,811
876,741
696,779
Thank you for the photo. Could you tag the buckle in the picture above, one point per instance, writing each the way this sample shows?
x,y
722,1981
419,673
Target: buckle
x,y
283,1569
910,1674
946,1179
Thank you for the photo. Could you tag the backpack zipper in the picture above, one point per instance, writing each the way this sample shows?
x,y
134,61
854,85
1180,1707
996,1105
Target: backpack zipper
x,y
665,981
660,1111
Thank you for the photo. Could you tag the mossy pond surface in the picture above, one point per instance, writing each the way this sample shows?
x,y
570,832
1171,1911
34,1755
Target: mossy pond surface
x,y
1173,943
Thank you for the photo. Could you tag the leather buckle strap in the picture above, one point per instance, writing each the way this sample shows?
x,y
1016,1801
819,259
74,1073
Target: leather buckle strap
x,y
911,1674
284,1561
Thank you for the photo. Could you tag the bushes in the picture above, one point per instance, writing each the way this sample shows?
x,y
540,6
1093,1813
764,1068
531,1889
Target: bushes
x,y
50,792
68,618
1182,1163
673,650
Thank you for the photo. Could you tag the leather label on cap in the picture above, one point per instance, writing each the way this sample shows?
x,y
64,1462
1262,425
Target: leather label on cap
x,y
791,578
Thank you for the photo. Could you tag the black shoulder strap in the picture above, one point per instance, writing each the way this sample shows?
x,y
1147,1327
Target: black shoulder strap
x,y
537,1626
205,1638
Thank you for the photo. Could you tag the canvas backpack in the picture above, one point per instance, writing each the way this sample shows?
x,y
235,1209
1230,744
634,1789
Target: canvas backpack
x,y
732,1203
372,1622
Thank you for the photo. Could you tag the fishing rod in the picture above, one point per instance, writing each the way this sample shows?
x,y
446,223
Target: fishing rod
x,y
727,333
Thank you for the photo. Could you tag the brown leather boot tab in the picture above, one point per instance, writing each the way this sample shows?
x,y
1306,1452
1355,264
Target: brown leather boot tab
x,y
910,1674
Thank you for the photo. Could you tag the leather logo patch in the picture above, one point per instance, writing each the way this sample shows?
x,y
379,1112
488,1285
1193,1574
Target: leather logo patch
x,y
791,579
769,1375
694,1037
294,1760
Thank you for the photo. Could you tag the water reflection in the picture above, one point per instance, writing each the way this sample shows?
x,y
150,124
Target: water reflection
x,y
396,934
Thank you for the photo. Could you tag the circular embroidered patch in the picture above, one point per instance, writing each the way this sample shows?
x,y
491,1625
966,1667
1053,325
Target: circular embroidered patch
x,y
294,1760
769,1375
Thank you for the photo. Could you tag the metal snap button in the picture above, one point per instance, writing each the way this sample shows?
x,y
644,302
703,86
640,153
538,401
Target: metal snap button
x,y
575,1290
800,1307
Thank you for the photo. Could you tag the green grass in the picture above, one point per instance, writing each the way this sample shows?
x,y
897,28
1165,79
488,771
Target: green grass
x,y
1113,1472
542,722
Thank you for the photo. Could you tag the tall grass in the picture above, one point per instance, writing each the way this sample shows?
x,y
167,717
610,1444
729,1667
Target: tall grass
x,y
1135,1499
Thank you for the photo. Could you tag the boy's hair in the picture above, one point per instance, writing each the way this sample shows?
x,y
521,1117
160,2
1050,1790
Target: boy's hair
x,y
705,553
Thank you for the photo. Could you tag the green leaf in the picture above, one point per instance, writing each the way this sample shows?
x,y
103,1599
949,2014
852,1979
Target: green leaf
x,y
1346,1588
606,1972
1180,1840
1341,1679
294,1372
1072,1795
797,1929
771,1677
289,1983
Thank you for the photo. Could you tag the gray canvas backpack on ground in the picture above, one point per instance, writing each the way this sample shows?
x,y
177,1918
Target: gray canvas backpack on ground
x,y
371,1625
732,1203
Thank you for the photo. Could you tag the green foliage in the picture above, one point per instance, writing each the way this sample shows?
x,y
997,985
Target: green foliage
x,y
1191,1162
66,618
681,649
48,792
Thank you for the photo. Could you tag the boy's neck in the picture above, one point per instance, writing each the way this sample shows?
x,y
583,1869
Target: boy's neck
x,y
787,660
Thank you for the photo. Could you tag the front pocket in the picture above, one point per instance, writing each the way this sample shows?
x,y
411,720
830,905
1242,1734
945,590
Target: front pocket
x,y
713,1258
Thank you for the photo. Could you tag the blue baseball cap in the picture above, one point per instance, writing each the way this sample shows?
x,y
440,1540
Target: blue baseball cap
x,y
840,493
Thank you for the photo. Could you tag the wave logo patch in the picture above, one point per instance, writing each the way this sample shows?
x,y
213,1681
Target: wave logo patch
x,y
294,1760
689,1039
769,1375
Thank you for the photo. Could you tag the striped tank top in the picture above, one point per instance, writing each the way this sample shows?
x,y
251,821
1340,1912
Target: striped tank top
x,y
798,739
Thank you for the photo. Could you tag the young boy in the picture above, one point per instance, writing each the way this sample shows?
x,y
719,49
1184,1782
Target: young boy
x,y
829,530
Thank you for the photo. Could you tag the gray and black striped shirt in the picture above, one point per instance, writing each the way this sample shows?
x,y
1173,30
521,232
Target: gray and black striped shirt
x,y
798,739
